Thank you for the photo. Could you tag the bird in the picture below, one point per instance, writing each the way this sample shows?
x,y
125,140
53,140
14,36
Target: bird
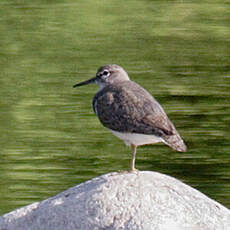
x,y
131,112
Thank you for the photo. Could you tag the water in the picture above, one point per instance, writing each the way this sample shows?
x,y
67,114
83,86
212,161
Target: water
x,y
51,139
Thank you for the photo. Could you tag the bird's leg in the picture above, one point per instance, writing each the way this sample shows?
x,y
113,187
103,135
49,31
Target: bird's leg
x,y
132,162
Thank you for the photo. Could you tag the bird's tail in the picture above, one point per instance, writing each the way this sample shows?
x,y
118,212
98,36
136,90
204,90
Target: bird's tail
x,y
176,142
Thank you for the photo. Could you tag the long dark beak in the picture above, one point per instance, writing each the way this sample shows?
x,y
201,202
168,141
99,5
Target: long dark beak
x,y
90,81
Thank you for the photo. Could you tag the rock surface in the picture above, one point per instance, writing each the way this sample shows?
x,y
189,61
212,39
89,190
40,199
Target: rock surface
x,y
135,201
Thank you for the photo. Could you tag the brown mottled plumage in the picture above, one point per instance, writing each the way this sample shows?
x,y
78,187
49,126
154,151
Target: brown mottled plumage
x,y
130,112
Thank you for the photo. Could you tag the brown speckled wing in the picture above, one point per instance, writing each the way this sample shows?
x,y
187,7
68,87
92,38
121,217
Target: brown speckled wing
x,y
127,107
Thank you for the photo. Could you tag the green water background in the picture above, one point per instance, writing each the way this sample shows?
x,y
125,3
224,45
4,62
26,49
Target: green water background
x,y
50,138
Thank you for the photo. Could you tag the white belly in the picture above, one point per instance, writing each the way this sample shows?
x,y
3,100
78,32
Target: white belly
x,y
137,139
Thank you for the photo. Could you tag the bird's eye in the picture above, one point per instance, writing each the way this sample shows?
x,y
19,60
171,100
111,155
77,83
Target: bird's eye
x,y
106,73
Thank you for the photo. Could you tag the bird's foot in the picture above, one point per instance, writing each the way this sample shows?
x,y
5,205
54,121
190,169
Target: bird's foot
x,y
134,170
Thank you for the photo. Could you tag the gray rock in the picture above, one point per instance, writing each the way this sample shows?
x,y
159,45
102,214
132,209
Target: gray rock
x,y
135,201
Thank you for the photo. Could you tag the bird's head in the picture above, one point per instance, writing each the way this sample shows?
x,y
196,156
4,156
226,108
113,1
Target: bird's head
x,y
107,75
